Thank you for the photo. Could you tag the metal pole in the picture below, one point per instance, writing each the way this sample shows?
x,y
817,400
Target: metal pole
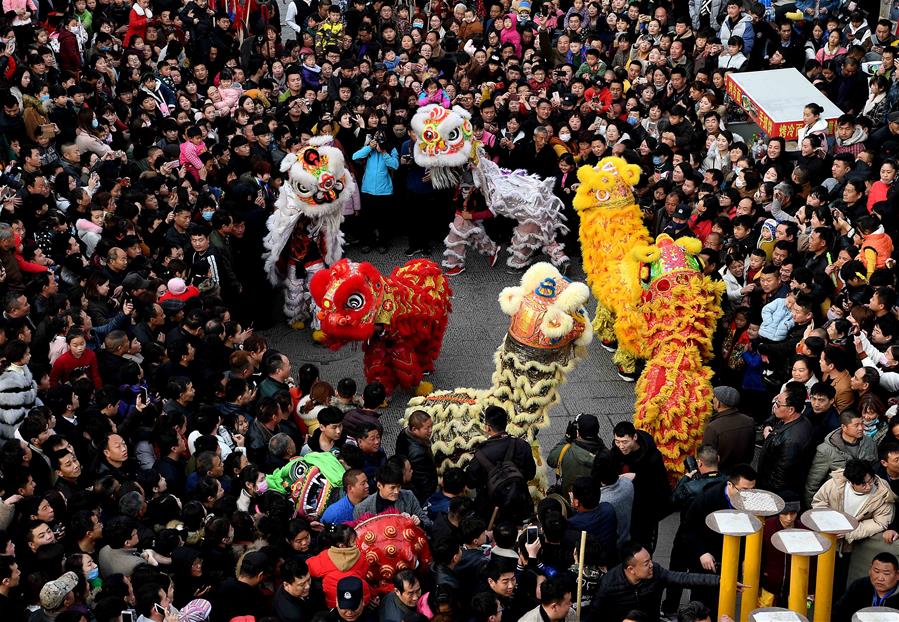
x,y
824,580
730,561
752,564
798,601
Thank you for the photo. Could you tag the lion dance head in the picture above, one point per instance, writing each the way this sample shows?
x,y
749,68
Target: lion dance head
x,y
609,184
444,142
391,542
349,295
318,182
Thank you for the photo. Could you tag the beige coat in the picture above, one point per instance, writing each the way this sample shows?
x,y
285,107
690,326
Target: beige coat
x,y
873,516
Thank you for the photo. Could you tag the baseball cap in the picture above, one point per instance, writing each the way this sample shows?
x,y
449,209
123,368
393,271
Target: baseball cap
x,y
587,426
53,594
682,211
349,593
494,59
135,281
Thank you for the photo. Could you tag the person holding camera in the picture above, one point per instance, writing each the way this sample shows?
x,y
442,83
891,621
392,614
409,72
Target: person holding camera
x,y
572,457
377,190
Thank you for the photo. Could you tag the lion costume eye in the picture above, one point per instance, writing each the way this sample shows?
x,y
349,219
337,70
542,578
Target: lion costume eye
x,y
429,135
355,302
453,135
303,189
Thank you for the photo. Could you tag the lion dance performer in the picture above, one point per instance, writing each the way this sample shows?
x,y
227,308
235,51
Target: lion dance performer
x,y
548,334
681,308
391,542
611,226
400,319
304,231
446,146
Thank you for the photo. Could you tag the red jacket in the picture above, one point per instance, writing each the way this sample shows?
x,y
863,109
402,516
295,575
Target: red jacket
x,y
331,565
66,366
69,54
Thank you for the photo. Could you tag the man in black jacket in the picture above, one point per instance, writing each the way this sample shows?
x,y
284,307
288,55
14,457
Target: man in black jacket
x,y
879,588
784,459
640,460
414,442
493,452
636,584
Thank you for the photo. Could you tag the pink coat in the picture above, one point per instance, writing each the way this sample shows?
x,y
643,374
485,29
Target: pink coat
x,y
230,97
439,97
511,35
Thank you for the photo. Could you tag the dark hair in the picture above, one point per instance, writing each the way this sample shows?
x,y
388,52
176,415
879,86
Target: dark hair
x,y
496,417
624,428
554,590
586,492
885,557
742,471
857,471
293,569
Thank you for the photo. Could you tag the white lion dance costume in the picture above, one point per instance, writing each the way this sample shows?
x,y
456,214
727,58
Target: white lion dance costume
x,y
304,233
445,145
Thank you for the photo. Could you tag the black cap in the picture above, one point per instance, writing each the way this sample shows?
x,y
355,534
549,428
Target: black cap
x,y
239,141
682,211
569,99
494,59
172,306
587,426
349,593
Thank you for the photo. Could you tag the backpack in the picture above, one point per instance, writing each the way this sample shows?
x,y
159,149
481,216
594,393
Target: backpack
x,y
505,483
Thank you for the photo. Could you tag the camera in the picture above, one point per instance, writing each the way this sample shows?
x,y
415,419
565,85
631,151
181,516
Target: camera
x,y
381,139
690,464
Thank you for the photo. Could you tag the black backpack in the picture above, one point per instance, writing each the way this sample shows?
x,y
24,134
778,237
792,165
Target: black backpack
x,y
505,483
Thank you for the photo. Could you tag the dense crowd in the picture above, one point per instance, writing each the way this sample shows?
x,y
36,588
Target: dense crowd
x,y
141,410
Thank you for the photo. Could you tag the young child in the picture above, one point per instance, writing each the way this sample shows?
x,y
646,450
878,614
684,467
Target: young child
x,y
467,230
191,149
346,398
330,31
75,362
433,93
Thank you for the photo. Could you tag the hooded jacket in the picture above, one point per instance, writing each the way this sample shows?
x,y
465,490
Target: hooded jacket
x,y
743,28
576,461
873,516
333,564
833,454
18,395
854,145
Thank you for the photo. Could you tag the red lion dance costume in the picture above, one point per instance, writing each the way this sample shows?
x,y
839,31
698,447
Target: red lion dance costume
x,y
400,319
681,307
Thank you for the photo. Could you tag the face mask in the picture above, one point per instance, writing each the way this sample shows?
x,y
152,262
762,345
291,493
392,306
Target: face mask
x,y
740,182
93,574
657,160
564,137
633,120
207,215
45,98
94,123
261,487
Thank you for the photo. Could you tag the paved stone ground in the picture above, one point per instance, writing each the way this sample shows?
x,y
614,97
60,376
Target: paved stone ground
x,y
475,330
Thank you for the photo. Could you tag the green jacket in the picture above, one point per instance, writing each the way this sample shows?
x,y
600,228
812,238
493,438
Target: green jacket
x,y
576,461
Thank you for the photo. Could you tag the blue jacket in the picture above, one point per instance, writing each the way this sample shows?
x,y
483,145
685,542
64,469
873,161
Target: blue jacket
x,y
376,179
743,28
601,523
415,173
830,5
339,512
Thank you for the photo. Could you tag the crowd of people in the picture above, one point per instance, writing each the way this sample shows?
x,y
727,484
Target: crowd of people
x,y
141,410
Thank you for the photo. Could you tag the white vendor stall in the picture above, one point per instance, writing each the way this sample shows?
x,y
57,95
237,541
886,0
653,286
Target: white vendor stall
x,y
774,100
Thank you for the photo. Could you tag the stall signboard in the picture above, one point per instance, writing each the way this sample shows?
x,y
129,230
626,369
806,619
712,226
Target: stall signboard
x,y
774,100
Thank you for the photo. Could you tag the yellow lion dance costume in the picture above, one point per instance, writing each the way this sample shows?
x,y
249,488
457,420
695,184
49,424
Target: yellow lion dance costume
x,y
681,308
655,302
611,226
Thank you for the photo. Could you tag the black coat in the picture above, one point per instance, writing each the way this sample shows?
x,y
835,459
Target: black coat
x,y
424,471
494,450
615,596
858,595
652,494
785,455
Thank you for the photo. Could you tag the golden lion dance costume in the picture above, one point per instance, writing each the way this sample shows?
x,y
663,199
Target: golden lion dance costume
x,y
400,319
681,308
548,334
446,146
391,542
612,225
304,233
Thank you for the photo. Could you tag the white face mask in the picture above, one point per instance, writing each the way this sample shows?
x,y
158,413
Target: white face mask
x,y
564,137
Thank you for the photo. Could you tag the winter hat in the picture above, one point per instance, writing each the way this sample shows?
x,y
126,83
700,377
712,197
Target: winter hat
x,y
587,426
54,593
196,611
177,286
728,396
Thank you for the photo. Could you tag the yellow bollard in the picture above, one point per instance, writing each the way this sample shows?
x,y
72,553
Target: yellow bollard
x,y
730,562
751,574
798,601
824,580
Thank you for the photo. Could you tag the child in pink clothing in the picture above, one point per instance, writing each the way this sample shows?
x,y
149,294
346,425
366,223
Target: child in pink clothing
x,y
191,150
432,93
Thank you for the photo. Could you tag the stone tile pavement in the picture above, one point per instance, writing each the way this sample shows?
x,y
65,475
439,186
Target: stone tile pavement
x,y
475,330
